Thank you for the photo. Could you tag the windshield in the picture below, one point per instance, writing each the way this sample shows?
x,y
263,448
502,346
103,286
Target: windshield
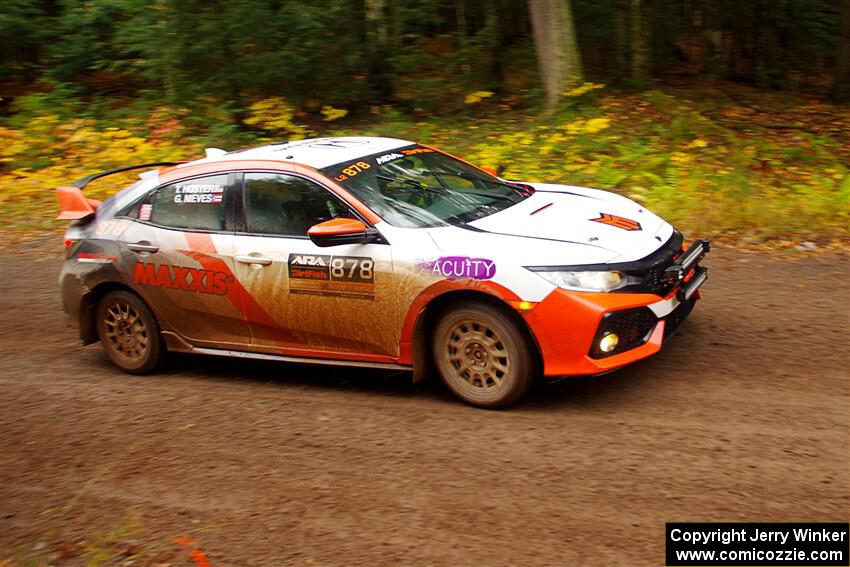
x,y
416,187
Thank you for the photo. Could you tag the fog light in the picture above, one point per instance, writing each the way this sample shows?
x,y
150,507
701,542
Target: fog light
x,y
609,342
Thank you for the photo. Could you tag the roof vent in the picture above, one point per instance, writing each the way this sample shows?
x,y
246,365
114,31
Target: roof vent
x,y
214,152
331,143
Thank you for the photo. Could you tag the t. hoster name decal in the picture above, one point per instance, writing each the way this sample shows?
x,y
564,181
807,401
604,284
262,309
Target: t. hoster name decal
x,y
331,275
198,193
455,267
177,277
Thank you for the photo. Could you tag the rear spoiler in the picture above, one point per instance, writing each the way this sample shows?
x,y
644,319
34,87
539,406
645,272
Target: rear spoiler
x,y
74,205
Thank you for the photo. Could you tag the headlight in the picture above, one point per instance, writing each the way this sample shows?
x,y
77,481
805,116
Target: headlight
x,y
585,281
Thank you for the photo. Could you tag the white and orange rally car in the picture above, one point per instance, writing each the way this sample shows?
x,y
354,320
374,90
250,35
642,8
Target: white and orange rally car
x,y
374,252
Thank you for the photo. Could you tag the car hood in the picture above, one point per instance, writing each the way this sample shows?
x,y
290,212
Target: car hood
x,y
604,225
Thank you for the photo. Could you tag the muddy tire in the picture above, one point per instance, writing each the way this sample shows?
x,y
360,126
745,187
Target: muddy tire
x,y
128,332
483,356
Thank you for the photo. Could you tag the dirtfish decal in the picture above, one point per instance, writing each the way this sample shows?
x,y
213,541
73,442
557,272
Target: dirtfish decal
x,y
454,267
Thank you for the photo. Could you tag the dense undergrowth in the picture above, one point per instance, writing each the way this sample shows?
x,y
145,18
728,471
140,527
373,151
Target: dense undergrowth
x,y
747,167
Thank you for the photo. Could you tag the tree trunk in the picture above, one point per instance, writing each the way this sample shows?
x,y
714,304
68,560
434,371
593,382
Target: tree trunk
x,y
380,75
460,17
841,87
621,38
640,43
375,17
395,16
494,24
558,55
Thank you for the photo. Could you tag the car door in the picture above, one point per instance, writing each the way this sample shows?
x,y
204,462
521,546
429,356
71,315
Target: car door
x,y
180,254
333,301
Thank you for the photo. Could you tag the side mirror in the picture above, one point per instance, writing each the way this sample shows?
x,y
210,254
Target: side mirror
x,y
338,231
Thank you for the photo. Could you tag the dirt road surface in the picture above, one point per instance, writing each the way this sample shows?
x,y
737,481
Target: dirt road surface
x,y
743,416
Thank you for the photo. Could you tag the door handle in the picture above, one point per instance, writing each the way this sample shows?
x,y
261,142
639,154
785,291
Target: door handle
x,y
250,259
143,246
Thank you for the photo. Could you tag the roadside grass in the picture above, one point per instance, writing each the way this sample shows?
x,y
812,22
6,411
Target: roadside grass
x,y
127,543
749,168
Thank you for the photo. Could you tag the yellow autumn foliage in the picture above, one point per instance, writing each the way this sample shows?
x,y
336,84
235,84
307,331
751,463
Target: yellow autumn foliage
x,y
329,113
276,116
583,89
476,97
47,153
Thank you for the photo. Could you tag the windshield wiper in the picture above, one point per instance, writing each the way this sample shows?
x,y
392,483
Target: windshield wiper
x,y
494,181
444,191
413,182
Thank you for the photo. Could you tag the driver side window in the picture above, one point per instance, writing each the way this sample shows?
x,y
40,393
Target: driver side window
x,y
285,205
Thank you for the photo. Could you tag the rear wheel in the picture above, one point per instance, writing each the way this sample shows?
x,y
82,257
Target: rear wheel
x,y
128,332
483,356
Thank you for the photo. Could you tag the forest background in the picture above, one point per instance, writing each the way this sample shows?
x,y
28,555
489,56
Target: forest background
x,y
727,117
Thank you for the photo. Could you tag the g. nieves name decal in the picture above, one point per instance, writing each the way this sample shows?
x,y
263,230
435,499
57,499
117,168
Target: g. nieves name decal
x,y
176,277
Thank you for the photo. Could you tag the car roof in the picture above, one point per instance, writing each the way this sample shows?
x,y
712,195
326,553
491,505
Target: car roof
x,y
315,152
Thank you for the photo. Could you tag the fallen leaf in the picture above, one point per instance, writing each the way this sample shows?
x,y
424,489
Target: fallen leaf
x,y
200,558
185,541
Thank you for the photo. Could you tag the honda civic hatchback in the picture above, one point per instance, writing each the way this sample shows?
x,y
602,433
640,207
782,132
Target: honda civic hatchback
x,y
374,252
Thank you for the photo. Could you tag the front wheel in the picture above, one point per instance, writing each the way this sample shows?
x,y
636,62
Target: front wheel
x,y
483,356
128,332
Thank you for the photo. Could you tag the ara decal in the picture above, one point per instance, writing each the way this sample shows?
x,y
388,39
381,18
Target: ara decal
x,y
331,275
455,267
618,222
388,157
188,279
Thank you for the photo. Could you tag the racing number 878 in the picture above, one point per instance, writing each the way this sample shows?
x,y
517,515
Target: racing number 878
x,y
352,269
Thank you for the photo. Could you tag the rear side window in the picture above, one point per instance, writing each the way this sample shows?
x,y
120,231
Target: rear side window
x,y
193,204
286,205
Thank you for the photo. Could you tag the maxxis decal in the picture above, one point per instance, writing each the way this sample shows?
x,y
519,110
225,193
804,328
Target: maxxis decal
x,y
177,277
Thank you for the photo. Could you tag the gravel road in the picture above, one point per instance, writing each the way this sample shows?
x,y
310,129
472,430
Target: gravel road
x,y
743,416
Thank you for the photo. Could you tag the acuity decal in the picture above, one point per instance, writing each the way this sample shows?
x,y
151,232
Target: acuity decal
x,y
331,275
177,277
455,267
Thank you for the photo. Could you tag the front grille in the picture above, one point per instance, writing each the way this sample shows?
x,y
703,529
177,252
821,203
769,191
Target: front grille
x,y
632,326
650,271
675,318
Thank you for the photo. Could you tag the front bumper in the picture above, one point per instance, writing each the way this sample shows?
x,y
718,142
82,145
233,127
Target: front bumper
x,y
568,325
